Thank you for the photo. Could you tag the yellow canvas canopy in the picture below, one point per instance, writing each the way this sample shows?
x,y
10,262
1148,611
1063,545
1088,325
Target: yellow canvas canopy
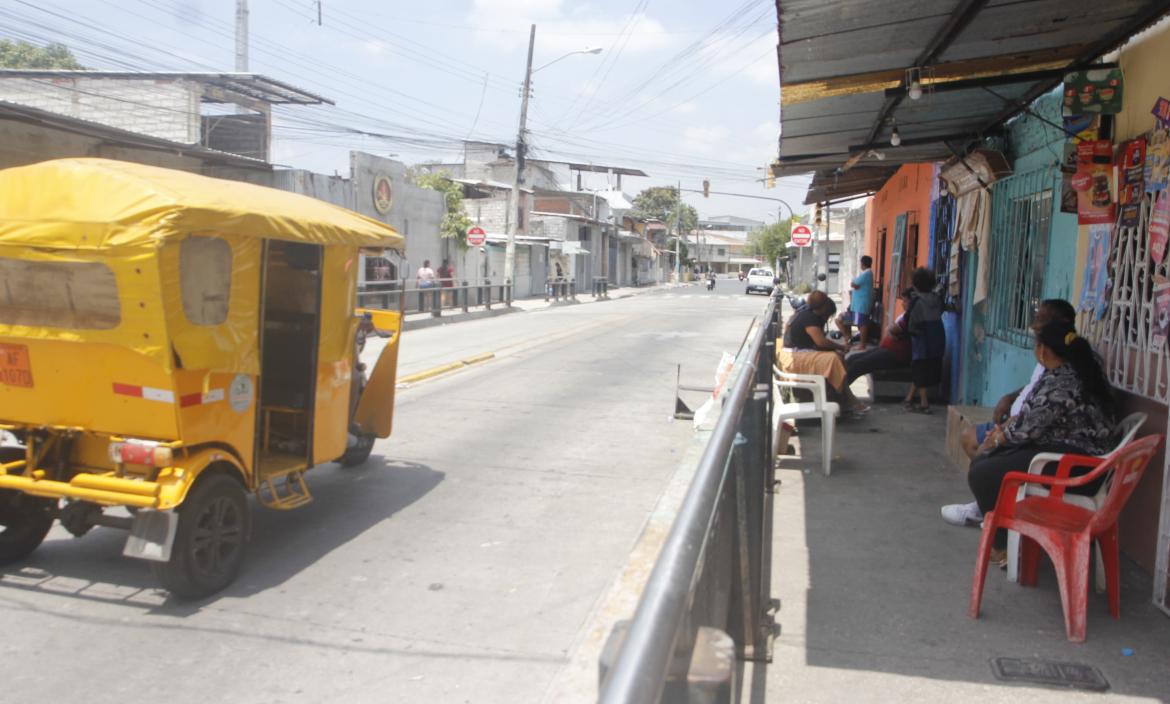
x,y
105,204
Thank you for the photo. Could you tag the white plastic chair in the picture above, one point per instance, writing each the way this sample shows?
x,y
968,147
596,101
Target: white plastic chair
x,y
1127,429
821,408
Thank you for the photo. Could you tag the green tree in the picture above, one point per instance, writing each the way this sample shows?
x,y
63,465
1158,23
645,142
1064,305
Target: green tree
x,y
22,54
771,241
662,203
455,222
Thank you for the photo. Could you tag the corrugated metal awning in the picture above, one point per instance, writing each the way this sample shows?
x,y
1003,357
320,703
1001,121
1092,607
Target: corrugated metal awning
x,y
843,76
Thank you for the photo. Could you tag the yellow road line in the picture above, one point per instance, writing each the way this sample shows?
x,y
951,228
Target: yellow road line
x,y
446,368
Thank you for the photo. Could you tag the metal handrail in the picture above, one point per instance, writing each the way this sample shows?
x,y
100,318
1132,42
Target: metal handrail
x,y
436,299
639,671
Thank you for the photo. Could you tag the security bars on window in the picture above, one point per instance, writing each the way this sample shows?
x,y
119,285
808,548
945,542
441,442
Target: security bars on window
x,y
1021,219
1134,357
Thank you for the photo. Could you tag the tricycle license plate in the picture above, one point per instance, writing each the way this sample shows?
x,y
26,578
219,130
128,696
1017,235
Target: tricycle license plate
x,y
15,369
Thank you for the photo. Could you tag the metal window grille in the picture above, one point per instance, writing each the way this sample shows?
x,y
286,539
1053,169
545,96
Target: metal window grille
x,y
1021,220
1136,360
1125,335
1134,357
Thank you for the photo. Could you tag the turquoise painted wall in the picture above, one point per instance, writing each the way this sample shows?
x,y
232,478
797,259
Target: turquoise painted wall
x,y
995,367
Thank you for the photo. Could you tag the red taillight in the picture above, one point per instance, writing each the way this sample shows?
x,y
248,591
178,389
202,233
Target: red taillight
x,y
141,452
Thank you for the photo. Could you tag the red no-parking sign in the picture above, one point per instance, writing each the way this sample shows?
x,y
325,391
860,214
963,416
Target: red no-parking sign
x,y
476,236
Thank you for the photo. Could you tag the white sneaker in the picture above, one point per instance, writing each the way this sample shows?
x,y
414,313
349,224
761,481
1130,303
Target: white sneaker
x,y
962,514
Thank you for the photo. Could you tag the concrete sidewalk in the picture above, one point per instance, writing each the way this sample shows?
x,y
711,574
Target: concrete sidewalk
x,y
874,586
416,321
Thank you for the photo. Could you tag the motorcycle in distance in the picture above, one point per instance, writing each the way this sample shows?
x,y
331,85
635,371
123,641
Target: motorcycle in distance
x,y
711,281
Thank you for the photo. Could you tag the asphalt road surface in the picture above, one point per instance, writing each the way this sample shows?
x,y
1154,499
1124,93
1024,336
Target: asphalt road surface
x,y
460,564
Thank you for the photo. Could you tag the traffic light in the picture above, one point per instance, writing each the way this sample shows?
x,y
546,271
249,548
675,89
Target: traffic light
x,y
818,218
706,188
770,178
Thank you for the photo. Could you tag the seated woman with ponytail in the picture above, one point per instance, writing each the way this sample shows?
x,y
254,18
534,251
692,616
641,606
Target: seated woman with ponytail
x,y
1070,410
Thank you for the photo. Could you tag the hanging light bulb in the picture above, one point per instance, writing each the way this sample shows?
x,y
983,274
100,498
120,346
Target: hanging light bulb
x,y
915,91
895,138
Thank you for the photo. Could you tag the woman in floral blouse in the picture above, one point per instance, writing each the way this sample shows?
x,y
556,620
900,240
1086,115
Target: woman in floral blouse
x,y
1071,410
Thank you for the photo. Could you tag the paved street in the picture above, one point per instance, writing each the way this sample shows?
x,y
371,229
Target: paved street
x,y
460,564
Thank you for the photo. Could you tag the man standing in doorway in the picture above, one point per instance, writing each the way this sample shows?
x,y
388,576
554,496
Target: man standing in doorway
x,y
860,305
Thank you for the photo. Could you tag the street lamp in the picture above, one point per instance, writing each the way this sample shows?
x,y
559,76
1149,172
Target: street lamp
x,y
595,50
521,147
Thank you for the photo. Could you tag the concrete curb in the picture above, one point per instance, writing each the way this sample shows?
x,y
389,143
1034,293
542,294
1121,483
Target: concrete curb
x,y
446,368
430,322
628,292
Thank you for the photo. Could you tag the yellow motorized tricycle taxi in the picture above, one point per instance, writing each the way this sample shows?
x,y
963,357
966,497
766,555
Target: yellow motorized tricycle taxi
x,y
170,343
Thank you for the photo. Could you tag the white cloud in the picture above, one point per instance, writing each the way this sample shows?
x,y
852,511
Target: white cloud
x,y
765,71
704,139
373,47
686,108
559,31
767,130
756,59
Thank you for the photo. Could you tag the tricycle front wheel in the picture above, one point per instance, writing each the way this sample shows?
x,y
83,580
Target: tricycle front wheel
x,y
213,530
24,520
359,452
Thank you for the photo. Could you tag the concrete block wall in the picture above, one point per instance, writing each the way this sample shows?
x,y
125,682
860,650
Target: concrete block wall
x,y
168,109
552,227
489,213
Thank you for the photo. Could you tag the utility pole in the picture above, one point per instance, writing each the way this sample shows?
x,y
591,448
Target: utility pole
x,y
678,236
521,148
241,36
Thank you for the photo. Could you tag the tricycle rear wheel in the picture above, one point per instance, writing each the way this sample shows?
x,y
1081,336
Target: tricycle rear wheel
x,y
214,526
24,520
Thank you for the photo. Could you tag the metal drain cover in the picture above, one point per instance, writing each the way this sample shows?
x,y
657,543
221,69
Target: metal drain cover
x,y
1050,672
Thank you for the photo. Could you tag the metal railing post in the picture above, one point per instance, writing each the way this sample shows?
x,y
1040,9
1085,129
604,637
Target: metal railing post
x,y
487,291
465,289
573,289
437,302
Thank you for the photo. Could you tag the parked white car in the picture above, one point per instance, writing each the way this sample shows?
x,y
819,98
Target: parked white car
x,y
762,280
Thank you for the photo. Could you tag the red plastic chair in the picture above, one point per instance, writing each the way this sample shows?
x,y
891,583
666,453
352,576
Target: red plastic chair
x,y
1066,531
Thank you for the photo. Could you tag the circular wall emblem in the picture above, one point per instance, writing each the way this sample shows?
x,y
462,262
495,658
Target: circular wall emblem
x,y
240,393
383,194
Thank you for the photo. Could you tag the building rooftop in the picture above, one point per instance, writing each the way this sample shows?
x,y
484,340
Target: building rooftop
x,y
249,85
36,116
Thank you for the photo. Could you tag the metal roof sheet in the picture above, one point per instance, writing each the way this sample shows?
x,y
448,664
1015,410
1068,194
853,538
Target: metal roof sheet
x,y
843,85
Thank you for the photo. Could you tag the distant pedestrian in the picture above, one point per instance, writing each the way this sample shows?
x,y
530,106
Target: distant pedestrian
x,y
425,275
928,340
447,280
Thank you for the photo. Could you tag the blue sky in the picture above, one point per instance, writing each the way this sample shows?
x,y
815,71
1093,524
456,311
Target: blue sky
x,y
682,90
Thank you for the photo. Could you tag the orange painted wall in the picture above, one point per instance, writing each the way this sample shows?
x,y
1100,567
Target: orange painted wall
x,y
908,191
